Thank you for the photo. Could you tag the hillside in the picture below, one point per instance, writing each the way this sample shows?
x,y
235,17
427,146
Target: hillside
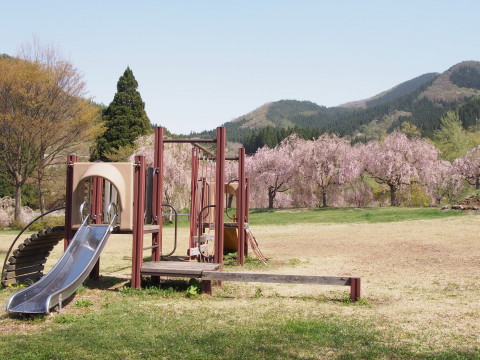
x,y
277,114
421,101
458,84
394,93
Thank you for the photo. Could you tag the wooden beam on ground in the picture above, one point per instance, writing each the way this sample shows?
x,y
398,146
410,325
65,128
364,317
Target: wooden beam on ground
x,y
353,282
276,278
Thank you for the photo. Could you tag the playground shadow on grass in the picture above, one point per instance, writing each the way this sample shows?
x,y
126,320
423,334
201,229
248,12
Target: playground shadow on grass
x,y
104,283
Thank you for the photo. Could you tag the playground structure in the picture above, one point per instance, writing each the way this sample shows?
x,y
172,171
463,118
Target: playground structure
x,y
126,198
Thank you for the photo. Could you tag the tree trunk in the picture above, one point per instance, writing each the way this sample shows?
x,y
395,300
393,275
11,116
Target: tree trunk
x,y
40,175
271,197
477,183
18,202
41,194
324,198
393,195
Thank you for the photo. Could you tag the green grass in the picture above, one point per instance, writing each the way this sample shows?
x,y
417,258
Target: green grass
x,y
134,326
337,215
347,215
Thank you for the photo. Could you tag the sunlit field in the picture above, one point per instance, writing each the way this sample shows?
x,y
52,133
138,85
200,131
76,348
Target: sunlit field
x,y
420,291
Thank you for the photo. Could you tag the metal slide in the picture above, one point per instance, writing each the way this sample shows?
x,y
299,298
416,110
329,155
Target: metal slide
x,y
67,275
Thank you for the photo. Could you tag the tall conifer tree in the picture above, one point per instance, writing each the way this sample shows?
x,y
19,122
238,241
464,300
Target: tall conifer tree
x,y
125,118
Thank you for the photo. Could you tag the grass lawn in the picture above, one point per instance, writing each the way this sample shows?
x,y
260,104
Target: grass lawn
x,y
347,215
337,215
419,296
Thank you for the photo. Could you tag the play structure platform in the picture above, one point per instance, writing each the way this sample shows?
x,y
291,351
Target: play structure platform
x,y
207,272
186,269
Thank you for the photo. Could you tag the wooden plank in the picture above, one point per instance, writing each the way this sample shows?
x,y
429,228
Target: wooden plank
x,y
52,240
150,229
204,238
181,265
22,259
23,253
30,278
177,268
10,267
23,247
230,225
276,278
17,272
196,251
172,273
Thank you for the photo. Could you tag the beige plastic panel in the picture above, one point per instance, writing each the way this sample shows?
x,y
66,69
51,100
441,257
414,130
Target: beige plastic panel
x,y
121,175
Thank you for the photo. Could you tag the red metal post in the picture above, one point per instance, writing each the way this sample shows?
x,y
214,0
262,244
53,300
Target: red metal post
x,y
193,198
241,207
138,221
71,159
219,195
354,288
247,207
247,199
97,195
158,193
206,287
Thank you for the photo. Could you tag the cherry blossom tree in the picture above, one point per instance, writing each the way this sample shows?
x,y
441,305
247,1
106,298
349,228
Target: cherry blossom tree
x,y
325,163
398,161
442,180
272,169
469,166
177,169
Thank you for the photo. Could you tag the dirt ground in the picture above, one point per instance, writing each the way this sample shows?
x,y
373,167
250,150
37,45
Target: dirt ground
x,y
420,279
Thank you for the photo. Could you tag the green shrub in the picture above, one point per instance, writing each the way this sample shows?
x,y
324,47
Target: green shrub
x,y
48,221
415,196
16,225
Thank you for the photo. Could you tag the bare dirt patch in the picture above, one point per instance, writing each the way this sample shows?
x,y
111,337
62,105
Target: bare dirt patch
x,y
421,277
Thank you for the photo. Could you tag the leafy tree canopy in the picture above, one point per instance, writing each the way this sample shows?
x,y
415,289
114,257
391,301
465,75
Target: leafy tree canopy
x,y
452,139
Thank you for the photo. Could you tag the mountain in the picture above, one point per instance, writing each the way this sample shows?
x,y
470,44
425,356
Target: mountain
x,y
394,93
277,113
420,101
456,85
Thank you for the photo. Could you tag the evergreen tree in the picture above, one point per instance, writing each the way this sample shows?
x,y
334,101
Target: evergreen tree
x,y
125,118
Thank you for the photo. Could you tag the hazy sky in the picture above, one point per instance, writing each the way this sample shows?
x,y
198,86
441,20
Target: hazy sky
x,y
202,63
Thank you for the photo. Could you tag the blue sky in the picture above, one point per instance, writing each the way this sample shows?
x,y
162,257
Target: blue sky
x,y
202,63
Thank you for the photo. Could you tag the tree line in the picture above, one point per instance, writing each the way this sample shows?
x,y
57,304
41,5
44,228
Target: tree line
x,y
45,114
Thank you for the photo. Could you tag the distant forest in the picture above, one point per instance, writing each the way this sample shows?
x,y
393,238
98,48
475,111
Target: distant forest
x,y
403,103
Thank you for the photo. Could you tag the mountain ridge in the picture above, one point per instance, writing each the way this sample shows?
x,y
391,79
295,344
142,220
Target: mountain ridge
x,y
420,101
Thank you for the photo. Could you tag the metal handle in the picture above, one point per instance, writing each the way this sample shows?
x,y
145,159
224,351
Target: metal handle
x,y
82,207
113,217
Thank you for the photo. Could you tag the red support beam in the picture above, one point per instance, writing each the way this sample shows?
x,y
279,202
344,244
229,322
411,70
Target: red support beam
x,y
97,195
241,203
158,193
71,159
138,221
191,141
219,195
206,287
354,288
97,207
247,207
247,199
193,198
